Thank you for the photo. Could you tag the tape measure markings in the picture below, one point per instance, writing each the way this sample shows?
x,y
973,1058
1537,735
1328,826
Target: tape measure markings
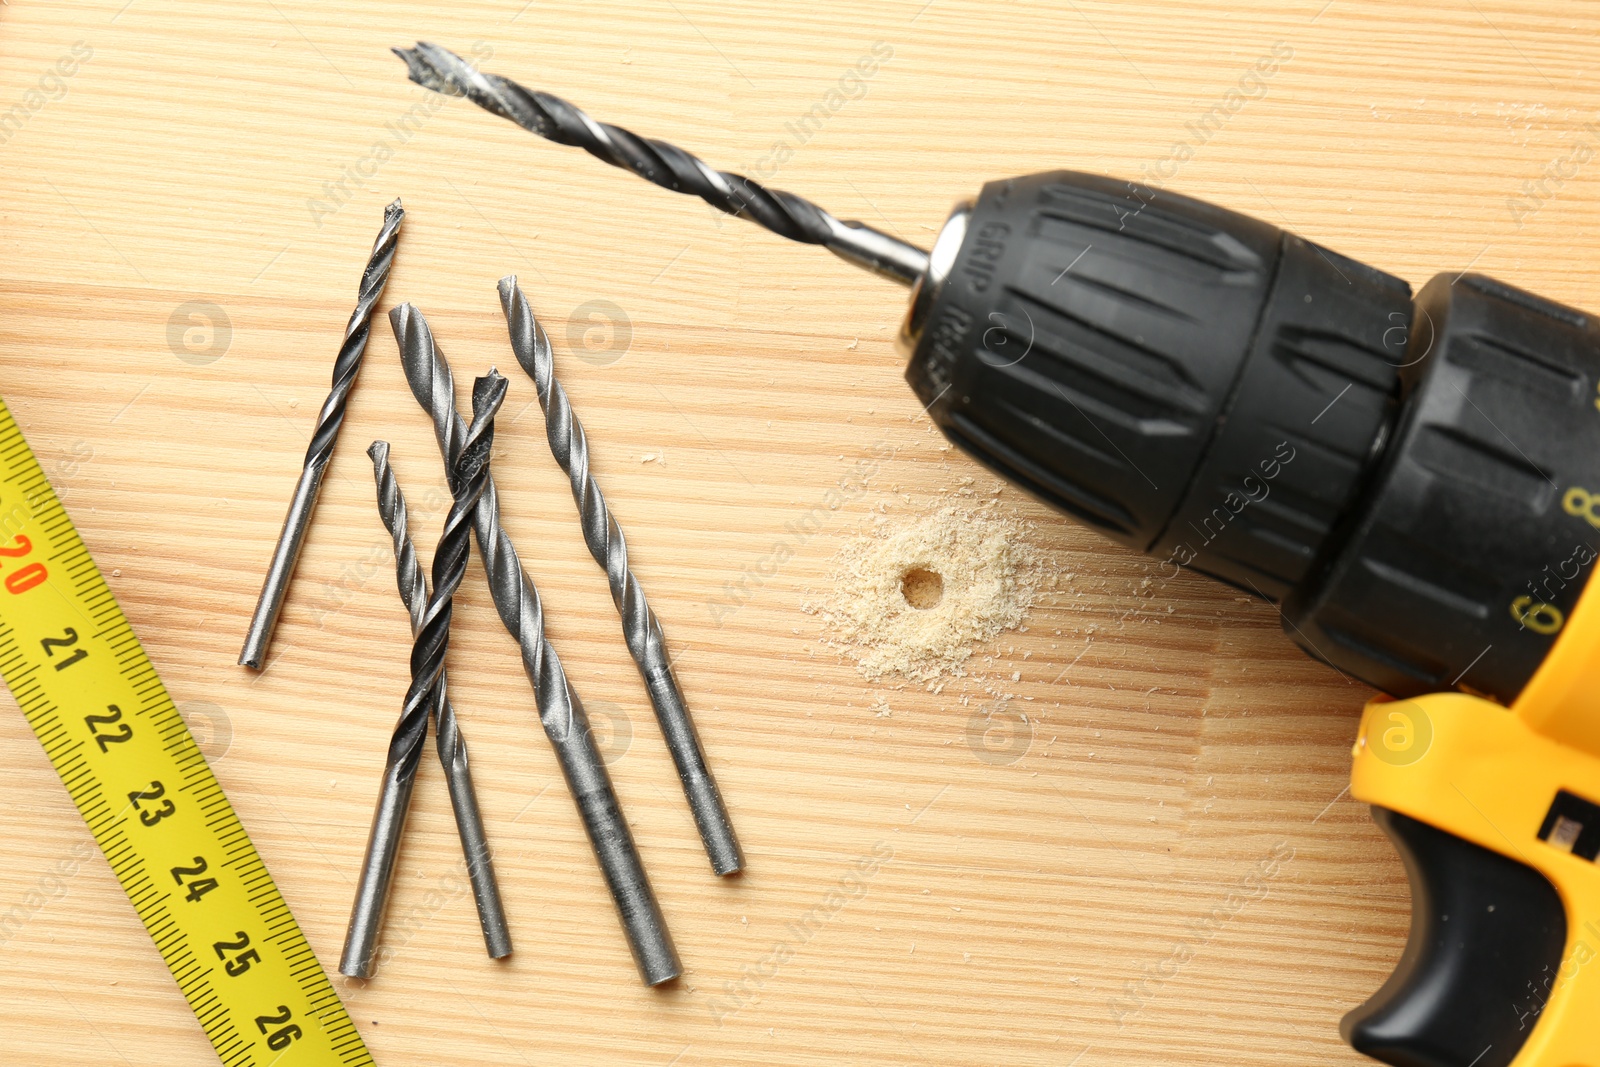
x,y
267,1000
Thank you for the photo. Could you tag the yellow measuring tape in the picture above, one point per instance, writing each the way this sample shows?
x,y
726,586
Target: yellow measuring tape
x,y
141,783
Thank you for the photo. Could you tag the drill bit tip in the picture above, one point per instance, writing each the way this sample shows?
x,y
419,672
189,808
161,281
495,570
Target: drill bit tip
x,y
423,73
488,393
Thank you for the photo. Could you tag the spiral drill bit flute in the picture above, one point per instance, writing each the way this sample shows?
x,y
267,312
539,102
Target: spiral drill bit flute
x,y
468,475
451,746
560,712
665,164
640,627
320,451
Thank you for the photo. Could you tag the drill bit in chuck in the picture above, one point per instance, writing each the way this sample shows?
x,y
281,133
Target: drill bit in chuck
x,y
640,627
560,712
329,420
451,746
665,164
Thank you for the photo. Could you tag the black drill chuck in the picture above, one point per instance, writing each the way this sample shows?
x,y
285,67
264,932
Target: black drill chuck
x,y
1407,480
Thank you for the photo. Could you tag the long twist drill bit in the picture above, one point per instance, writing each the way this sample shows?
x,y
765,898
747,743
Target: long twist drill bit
x,y
329,420
640,628
468,475
451,746
429,645
560,712
665,164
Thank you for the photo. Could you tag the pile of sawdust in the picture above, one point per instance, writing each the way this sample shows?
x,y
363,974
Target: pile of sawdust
x,y
913,598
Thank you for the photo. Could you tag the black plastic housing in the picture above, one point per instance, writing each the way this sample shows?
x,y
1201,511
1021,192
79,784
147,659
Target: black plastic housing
x,y
1478,530
1147,363
1204,387
1085,342
1307,414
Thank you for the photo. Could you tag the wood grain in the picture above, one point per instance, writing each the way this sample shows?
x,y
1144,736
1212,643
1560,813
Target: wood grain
x,y
998,912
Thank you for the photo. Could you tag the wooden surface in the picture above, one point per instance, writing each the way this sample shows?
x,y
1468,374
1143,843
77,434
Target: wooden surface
x,y
1176,823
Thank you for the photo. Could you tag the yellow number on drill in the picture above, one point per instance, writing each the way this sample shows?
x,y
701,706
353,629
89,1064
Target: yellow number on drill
x,y
1584,504
1539,617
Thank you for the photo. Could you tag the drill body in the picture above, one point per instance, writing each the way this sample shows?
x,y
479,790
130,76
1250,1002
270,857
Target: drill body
x,y
1415,482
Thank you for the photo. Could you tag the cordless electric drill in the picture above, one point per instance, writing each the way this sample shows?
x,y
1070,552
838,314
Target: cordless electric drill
x,y
1415,482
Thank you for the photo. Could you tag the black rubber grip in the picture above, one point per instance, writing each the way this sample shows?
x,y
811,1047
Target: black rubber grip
x,y
1148,363
1487,937
1088,337
1298,434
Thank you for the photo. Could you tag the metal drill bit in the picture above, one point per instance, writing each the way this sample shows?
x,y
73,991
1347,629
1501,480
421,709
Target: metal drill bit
x,y
640,628
468,475
560,712
665,164
452,747
345,369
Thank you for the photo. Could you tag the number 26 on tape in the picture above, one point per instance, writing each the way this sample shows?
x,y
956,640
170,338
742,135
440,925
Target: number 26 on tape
x,y
31,574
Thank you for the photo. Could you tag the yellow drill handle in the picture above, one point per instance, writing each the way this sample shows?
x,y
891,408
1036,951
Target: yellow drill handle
x,y
1518,791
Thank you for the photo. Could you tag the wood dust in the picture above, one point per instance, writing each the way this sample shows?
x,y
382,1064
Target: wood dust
x,y
914,597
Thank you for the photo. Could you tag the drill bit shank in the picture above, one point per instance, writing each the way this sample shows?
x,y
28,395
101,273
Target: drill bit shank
x,y
451,746
560,712
640,628
664,164
329,420
359,958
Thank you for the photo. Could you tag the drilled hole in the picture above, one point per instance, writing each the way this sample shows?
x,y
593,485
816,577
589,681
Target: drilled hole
x,y
922,588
